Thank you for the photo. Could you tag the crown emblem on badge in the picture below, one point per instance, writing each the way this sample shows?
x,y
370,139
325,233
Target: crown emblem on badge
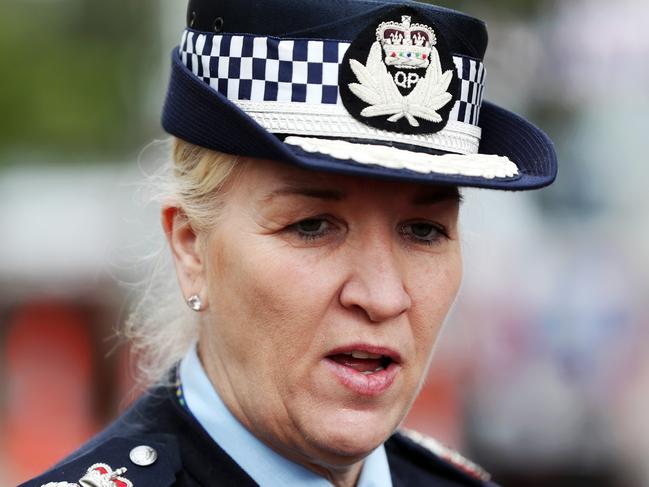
x,y
99,475
406,45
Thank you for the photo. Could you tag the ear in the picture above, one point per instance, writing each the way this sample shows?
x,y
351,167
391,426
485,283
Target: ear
x,y
186,250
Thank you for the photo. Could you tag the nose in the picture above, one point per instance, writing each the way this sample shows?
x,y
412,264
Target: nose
x,y
376,283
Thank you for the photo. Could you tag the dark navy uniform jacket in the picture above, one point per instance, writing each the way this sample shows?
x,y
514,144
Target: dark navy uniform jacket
x,y
188,457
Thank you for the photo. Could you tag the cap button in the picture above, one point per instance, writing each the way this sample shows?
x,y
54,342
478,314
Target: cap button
x,y
143,455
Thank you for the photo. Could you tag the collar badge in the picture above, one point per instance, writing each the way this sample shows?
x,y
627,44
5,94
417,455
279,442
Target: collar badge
x,y
99,475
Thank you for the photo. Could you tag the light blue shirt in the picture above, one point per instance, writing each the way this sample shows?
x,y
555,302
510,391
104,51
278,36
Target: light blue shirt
x,y
267,467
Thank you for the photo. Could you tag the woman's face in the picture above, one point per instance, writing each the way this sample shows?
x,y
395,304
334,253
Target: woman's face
x,y
325,296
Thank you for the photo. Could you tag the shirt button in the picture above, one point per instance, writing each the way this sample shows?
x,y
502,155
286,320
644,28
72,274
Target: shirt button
x,y
143,455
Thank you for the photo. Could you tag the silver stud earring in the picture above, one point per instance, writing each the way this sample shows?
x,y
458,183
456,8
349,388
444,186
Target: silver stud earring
x,y
194,302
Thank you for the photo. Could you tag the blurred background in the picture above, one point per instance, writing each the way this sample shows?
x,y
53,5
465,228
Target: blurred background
x,y
542,373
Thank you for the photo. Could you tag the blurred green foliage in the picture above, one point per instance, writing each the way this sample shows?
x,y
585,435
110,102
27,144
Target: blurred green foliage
x,y
73,75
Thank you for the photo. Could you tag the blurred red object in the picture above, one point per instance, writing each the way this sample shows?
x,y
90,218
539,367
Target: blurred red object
x,y
49,371
438,410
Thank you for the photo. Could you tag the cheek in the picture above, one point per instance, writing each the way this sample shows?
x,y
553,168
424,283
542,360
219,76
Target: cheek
x,y
268,296
433,292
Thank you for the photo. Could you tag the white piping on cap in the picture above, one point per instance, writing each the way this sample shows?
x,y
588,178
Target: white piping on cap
x,y
471,165
301,119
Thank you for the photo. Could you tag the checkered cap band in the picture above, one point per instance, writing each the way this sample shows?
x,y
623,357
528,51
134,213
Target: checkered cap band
x,y
244,67
263,69
471,73
290,86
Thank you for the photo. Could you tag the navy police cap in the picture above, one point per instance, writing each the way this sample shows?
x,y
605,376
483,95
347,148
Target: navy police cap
x,y
380,88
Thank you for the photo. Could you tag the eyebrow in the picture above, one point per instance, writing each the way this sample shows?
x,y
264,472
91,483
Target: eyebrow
x,y
317,193
437,197
425,199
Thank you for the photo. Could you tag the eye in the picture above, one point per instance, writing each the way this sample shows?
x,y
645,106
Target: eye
x,y
426,233
312,228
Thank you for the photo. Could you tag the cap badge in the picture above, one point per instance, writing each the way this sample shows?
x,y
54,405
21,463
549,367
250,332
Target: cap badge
x,y
404,85
99,475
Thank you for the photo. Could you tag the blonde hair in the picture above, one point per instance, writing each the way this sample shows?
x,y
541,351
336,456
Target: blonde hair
x,y
160,327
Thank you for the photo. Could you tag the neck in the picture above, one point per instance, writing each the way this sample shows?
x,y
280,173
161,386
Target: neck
x,y
340,477
345,475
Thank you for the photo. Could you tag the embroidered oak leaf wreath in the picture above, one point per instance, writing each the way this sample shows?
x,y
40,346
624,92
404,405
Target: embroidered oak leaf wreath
x,y
377,88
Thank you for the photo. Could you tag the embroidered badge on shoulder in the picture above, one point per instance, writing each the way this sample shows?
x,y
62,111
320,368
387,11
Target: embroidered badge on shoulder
x,y
99,475
399,76
447,454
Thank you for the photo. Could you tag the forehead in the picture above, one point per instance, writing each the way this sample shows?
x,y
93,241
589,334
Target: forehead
x,y
266,180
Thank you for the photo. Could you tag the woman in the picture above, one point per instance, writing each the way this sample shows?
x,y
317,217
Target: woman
x,y
313,223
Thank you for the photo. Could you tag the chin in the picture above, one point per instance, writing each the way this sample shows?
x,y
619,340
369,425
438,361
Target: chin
x,y
348,436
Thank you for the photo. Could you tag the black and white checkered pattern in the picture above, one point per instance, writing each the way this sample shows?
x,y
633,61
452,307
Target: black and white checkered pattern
x,y
258,69
244,67
472,76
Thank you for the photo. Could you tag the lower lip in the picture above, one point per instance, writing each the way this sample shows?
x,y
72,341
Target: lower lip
x,y
365,385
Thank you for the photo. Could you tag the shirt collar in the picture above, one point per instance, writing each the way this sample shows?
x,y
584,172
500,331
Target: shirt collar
x,y
263,464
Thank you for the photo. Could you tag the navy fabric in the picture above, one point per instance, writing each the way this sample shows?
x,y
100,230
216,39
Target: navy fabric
x,y
195,112
114,452
188,457
319,19
506,133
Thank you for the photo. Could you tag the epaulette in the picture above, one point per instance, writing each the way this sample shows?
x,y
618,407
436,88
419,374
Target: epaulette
x,y
447,454
152,461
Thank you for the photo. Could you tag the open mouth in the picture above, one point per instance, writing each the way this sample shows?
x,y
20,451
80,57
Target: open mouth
x,y
363,362
366,370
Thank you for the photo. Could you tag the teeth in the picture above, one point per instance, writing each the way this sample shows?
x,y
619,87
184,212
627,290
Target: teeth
x,y
368,372
365,355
